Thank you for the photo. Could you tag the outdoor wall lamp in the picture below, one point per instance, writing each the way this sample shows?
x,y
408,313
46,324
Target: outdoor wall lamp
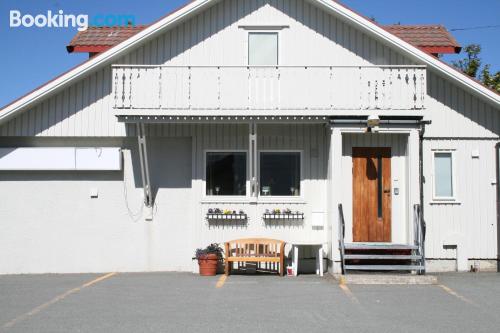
x,y
372,123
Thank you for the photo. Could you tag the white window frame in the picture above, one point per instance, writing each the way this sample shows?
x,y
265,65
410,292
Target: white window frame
x,y
436,198
283,198
277,32
225,198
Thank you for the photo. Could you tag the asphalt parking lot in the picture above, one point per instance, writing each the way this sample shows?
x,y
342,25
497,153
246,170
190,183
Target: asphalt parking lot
x,y
183,302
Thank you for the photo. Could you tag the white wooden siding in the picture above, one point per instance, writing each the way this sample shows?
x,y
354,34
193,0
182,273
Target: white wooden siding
x,y
455,113
210,38
471,221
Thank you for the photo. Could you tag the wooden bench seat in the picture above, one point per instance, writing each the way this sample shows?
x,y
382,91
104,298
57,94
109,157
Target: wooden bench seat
x,y
255,250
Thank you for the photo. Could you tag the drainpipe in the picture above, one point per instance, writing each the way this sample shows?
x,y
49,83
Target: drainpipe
x,y
421,133
497,165
421,168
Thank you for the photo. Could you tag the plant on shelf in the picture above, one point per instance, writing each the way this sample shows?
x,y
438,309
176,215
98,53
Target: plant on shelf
x,y
285,213
218,211
208,259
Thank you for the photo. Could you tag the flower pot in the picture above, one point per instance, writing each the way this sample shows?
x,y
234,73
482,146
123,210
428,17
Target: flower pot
x,y
208,264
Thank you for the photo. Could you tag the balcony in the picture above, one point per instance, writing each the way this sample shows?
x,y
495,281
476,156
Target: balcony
x,y
293,88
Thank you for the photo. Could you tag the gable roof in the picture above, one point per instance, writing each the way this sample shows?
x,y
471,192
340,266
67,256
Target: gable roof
x,y
190,8
430,38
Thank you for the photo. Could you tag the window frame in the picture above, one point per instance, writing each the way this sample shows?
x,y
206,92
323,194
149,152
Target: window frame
x,y
263,31
435,197
225,197
283,198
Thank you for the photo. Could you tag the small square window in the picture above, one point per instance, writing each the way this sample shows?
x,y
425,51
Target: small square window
x,y
263,48
226,173
280,173
443,175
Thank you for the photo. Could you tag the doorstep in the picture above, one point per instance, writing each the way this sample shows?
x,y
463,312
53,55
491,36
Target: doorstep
x,y
387,279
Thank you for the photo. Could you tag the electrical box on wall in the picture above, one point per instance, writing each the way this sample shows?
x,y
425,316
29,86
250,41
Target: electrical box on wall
x,y
317,219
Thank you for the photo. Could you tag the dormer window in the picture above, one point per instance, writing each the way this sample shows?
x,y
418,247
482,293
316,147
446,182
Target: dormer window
x,y
262,48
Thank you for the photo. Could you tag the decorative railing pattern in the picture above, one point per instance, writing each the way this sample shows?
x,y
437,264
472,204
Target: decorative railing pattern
x,y
269,87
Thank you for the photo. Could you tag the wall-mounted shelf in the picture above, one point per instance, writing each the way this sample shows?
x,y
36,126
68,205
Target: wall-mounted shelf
x,y
291,216
221,216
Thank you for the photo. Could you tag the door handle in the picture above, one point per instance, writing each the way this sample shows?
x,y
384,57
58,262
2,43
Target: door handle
x,y
387,190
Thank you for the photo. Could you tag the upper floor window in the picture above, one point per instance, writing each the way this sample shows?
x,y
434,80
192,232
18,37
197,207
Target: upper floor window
x,y
262,48
444,188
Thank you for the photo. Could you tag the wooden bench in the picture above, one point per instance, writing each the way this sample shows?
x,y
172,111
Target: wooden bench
x,y
257,250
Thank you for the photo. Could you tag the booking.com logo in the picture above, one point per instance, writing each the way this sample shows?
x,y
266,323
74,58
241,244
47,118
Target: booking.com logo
x,y
62,20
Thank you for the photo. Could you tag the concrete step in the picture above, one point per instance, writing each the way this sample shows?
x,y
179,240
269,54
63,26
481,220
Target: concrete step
x,y
386,279
379,246
384,267
381,257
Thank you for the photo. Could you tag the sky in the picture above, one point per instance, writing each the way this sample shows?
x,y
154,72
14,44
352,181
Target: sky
x,y
33,56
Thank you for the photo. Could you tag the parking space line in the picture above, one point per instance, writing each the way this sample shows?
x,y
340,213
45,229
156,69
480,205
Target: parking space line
x,y
457,295
221,281
55,300
348,292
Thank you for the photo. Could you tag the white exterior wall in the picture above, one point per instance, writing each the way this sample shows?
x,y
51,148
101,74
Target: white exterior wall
x,y
470,223
64,230
83,111
210,38
49,223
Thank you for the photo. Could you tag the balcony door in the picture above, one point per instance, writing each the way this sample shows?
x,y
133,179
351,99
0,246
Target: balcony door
x,y
371,194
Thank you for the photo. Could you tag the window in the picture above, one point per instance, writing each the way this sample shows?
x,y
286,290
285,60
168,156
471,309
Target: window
x,y
226,173
443,175
280,173
263,48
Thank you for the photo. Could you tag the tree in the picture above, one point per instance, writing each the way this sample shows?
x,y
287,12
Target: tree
x,y
491,80
471,66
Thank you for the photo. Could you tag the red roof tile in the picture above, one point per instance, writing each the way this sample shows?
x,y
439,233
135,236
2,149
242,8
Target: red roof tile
x,y
102,37
431,38
425,36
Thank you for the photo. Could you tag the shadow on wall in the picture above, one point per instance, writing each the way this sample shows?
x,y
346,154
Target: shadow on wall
x,y
169,163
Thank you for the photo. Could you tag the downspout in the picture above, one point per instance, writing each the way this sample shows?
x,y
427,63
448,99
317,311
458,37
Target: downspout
x,y
421,166
421,133
497,165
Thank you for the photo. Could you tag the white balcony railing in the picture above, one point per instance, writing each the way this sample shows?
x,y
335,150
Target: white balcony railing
x,y
269,88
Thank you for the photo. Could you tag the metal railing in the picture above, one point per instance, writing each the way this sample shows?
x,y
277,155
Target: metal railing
x,y
269,87
341,238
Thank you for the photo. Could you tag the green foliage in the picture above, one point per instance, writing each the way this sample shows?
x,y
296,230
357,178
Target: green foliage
x,y
489,79
471,66
213,248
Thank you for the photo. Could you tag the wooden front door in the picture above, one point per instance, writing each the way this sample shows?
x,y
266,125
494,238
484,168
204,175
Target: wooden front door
x,y
371,187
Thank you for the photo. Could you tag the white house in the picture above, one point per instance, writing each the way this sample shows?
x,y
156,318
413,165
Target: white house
x,y
251,105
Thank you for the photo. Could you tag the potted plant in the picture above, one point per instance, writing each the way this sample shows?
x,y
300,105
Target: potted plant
x,y
208,258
